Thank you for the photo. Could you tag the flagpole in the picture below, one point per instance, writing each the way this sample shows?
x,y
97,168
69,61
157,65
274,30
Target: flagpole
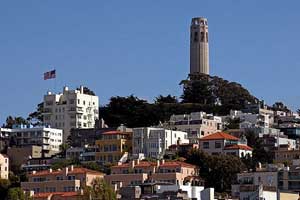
x,y
55,81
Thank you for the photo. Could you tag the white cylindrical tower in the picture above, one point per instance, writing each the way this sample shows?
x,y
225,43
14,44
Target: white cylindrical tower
x,y
199,52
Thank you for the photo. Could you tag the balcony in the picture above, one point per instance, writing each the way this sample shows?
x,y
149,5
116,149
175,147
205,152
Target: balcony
x,y
75,110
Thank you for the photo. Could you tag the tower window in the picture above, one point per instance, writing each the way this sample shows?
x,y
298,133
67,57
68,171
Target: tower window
x,y
196,37
202,36
206,36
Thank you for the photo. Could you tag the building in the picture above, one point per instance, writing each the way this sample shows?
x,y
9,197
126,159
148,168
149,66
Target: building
x,y
289,177
223,143
48,138
70,109
4,139
252,120
196,124
4,166
199,50
21,155
261,184
166,191
137,172
153,142
57,196
181,149
80,137
69,179
112,146
285,154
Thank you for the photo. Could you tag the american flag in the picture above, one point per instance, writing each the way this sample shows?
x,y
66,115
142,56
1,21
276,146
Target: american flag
x,y
50,75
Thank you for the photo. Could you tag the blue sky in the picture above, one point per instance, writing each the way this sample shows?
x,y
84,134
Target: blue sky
x,y
142,47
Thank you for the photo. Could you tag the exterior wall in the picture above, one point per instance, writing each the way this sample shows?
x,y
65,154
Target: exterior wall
x,y
126,179
65,180
20,155
4,167
74,152
48,138
197,124
238,152
112,149
153,142
260,177
199,52
212,146
70,109
136,173
52,186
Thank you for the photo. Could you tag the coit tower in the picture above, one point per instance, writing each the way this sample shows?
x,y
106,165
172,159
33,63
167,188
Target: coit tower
x,y
199,53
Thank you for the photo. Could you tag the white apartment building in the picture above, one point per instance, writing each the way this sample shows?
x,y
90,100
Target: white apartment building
x,y
70,109
153,142
49,139
252,120
4,170
196,124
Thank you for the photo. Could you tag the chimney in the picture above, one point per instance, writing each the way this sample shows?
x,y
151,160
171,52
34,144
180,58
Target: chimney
x,y
157,163
137,162
81,89
132,164
72,167
163,161
34,172
66,170
50,170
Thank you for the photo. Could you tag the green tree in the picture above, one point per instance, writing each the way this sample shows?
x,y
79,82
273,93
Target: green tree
x,y
166,99
11,121
99,190
4,186
36,118
218,171
15,193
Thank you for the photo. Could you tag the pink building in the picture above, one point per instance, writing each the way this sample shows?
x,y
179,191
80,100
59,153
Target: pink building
x,y
224,143
69,179
137,172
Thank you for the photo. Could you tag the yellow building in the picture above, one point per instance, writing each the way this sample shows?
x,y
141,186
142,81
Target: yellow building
x,y
113,145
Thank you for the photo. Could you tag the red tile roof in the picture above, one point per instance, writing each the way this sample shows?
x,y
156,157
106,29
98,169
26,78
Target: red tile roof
x,y
219,136
76,170
177,164
149,164
114,133
62,194
141,164
239,146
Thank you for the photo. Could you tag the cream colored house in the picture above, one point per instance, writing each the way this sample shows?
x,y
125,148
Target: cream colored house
x,y
69,179
4,170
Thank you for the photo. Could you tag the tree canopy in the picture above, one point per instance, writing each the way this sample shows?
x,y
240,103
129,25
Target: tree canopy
x,y
218,171
99,190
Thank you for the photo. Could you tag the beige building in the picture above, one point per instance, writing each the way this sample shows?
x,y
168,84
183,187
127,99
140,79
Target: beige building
x,y
4,163
223,143
137,172
69,179
70,109
199,50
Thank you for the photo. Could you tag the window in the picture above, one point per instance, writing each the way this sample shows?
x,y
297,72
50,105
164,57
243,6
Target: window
x,y
83,102
72,101
205,145
202,36
217,145
78,101
196,36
